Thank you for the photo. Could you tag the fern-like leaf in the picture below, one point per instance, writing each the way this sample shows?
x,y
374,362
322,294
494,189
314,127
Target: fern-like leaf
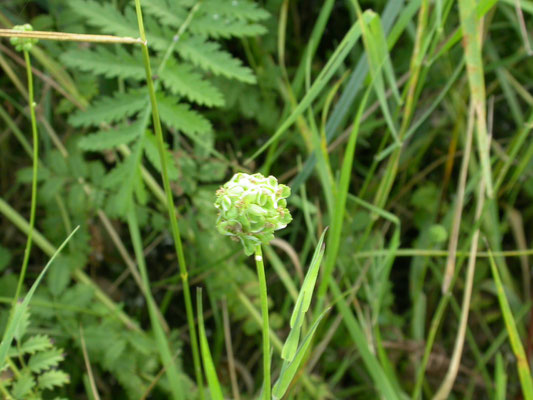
x,y
172,14
23,386
110,20
208,21
240,9
109,139
216,25
180,79
110,109
209,56
180,117
36,343
105,61
53,378
104,16
45,359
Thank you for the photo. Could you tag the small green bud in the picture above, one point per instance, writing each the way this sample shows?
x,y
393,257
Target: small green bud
x,y
251,208
23,44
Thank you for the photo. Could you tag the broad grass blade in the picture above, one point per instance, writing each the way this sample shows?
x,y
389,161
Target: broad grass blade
x,y
290,368
303,302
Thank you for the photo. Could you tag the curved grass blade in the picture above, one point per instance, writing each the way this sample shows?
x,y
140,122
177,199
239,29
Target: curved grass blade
x,y
20,308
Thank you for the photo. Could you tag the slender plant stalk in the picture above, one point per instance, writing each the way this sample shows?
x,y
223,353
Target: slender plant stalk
x,y
264,313
453,369
458,211
71,37
35,136
170,204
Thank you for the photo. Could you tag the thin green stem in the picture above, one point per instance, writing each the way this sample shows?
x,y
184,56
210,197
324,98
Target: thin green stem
x,y
170,203
34,180
264,313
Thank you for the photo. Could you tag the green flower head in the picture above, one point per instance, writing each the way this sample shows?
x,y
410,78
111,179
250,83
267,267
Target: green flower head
x,y
21,44
251,208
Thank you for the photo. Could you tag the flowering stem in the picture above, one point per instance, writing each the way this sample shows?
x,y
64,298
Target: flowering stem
x,y
34,180
170,204
264,313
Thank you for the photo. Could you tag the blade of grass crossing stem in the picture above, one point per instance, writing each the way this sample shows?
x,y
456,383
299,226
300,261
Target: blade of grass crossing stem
x,y
303,302
472,27
174,379
290,368
340,201
382,383
21,307
521,360
209,367
335,61
176,235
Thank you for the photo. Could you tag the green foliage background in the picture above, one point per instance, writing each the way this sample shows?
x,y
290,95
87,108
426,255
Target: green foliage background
x,y
366,116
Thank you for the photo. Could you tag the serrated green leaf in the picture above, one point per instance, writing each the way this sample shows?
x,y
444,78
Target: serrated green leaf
x,y
208,56
53,378
172,14
45,359
36,343
111,63
180,117
216,25
109,139
151,152
105,16
180,79
23,386
240,9
110,109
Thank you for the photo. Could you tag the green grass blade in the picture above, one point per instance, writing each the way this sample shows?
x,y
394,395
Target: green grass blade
x,y
290,368
209,367
303,302
472,36
521,360
20,308
340,201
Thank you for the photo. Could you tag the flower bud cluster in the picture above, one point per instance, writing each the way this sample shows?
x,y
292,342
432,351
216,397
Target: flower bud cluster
x,y
251,208
21,44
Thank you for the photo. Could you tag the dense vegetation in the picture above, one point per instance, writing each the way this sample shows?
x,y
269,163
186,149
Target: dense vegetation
x,y
401,126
